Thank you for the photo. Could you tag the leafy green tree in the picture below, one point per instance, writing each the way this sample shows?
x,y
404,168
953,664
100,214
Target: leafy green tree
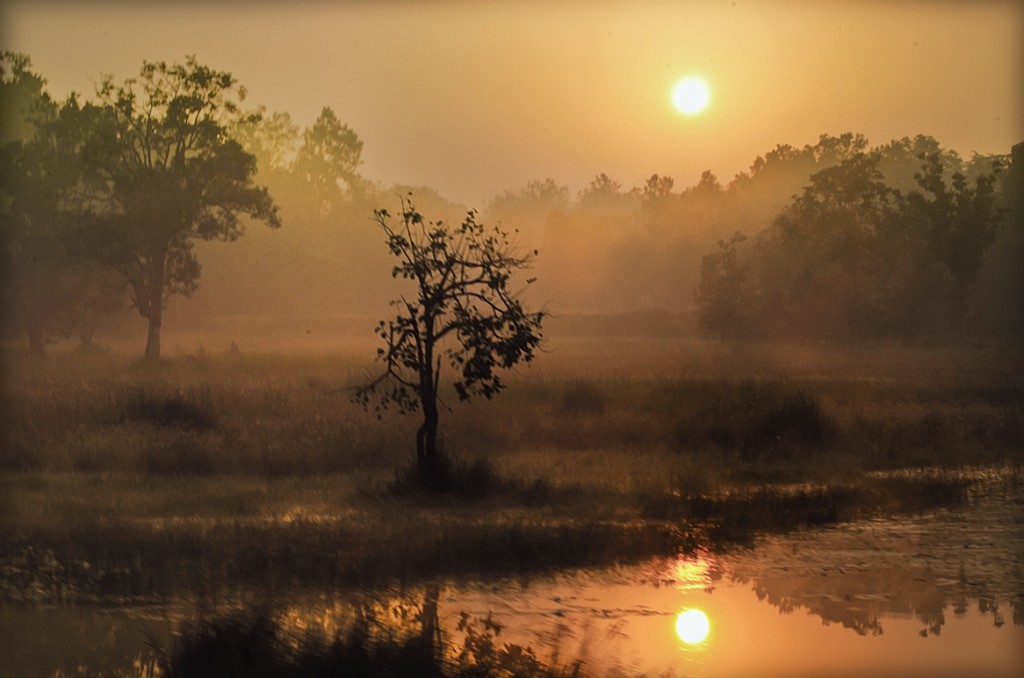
x,y
463,314
657,204
757,195
900,160
273,139
330,153
52,286
23,97
852,256
834,222
174,175
962,221
601,191
26,223
532,208
1005,274
726,295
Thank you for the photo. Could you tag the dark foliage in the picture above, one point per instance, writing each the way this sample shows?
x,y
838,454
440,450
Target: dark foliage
x,y
252,644
759,422
191,409
457,480
583,397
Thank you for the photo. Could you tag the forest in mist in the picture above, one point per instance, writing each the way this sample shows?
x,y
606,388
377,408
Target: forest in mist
x,y
846,239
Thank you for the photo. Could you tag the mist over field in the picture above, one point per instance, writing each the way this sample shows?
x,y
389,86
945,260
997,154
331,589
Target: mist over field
x,y
650,255
500,339
564,126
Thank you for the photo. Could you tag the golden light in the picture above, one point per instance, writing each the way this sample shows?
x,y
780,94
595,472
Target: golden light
x,y
692,574
691,95
692,626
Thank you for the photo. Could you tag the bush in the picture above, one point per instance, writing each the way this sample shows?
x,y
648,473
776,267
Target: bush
x,y
757,422
178,455
449,476
798,419
186,409
457,479
582,397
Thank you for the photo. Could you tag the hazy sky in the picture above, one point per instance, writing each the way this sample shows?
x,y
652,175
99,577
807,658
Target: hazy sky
x,y
475,98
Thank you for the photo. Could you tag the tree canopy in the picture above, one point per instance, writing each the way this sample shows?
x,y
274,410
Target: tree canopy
x,y
854,256
173,174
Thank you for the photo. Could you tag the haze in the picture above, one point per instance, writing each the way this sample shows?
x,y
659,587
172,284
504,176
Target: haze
x,y
473,100
476,319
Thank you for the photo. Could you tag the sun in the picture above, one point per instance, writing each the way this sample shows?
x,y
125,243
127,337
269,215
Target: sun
x,y
691,95
692,626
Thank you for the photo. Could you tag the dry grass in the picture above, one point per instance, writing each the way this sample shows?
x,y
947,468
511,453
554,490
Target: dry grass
x,y
123,479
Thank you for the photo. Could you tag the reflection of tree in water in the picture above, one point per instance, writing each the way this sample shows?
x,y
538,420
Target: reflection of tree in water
x,y
382,633
860,600
397,633
919,567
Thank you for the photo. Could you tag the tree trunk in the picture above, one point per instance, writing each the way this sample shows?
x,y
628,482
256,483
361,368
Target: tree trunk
x,y
153,336
430,631
155,305
428,460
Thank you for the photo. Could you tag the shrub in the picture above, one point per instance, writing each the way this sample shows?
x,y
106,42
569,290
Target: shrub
x,y
458,479
758,422
176,455
797,419
582,397
187,409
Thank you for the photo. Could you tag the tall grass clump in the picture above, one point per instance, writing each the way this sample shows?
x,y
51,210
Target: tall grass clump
x,y
187,408
177,455
759,421
462,480
582,397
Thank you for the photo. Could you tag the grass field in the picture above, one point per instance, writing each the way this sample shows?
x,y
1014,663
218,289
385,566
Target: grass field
x,y
124,481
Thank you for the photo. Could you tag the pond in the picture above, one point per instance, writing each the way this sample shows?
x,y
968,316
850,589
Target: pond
x,y
939,594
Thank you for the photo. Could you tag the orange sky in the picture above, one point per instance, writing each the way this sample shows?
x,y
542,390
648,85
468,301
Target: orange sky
x,y
476,98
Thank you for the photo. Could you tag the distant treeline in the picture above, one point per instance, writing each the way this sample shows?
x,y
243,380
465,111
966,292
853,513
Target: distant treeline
x,y
838,240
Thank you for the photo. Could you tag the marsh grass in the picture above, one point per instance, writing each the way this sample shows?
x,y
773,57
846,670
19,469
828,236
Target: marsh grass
x,y
121,480
190,409
758,420
459,481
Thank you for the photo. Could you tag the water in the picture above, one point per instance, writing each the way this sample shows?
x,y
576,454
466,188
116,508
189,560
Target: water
x,y
941,594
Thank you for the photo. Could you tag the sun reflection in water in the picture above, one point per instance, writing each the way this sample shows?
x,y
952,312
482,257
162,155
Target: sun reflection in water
x,y
693,574
692,626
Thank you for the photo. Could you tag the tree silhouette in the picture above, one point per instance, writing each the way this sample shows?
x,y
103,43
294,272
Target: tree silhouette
x,y
726,295
174,175
463,314
962,221
53,287
330,152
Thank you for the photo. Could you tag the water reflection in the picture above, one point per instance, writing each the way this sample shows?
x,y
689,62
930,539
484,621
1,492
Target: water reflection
x,y
693,626
625,621
934,595
696,572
